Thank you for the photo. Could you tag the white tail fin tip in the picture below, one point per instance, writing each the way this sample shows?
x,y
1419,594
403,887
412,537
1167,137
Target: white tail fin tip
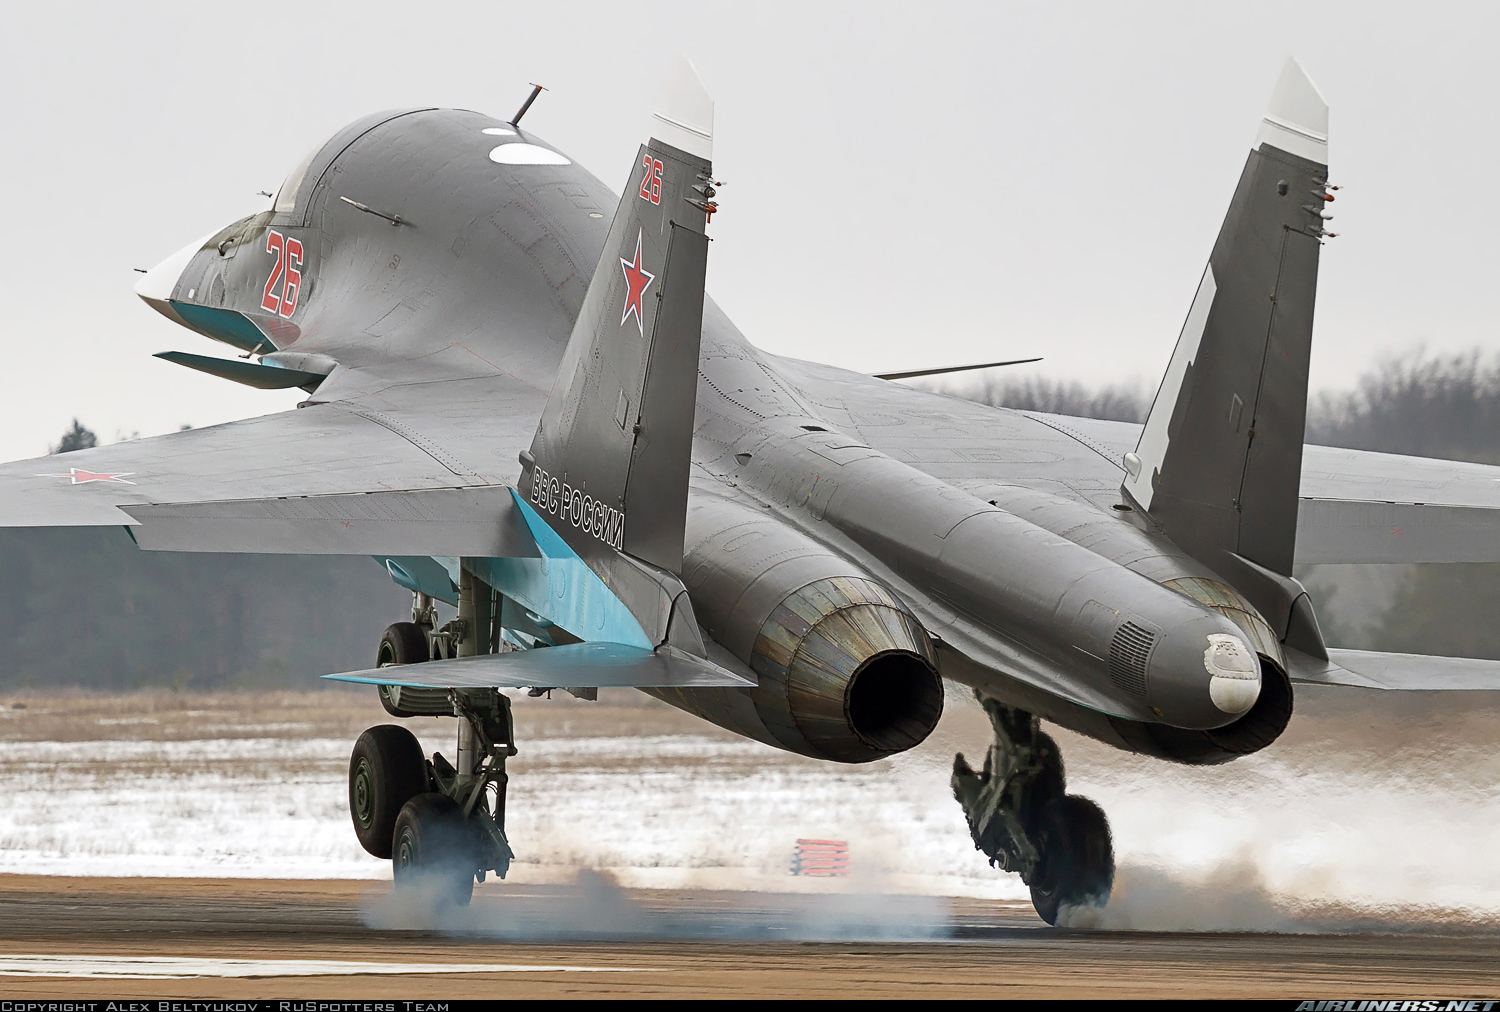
x,y
684,116
1297,118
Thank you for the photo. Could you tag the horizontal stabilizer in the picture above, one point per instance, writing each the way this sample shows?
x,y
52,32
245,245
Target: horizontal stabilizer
x,y
483,522
573,666
1349,531
262,377
1372,669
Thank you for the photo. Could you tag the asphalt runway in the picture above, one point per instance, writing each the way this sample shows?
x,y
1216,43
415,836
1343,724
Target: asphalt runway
x,y
264,939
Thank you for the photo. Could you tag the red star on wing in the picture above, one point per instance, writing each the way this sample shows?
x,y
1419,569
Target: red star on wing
x,y
637,280
79,476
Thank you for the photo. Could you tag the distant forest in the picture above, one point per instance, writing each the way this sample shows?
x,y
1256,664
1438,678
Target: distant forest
x,y
1417,404
85,607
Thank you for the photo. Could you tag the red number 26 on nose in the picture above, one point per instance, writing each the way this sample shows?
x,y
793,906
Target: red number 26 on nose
x,y
280,295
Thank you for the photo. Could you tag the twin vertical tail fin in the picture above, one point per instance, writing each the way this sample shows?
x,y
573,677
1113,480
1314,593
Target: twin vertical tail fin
x,y
608,467
1219,462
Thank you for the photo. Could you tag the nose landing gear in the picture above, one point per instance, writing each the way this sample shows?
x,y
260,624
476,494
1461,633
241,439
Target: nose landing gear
x,y
1021,817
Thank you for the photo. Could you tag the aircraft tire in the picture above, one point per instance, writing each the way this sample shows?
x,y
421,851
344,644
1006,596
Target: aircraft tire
x,y
402,643
386,770
405,643
433,847
1077,867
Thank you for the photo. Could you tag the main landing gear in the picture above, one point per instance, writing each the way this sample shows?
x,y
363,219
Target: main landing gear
x,y
441,824
1022,818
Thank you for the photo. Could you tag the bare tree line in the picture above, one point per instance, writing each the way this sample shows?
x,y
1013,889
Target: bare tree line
x,y
1414,403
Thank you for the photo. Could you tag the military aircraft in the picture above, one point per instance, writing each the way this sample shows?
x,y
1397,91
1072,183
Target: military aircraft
x,y
523,405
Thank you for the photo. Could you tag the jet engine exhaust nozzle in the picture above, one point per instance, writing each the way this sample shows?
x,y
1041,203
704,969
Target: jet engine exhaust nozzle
x,y
859,671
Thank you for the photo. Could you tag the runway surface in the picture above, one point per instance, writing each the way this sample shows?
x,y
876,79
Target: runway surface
x,y
264,939
198,845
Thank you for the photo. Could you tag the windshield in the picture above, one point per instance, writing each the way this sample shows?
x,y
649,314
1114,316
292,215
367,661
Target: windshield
x,y
286,197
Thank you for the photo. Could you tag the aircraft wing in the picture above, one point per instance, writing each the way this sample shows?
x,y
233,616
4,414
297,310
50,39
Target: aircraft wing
x,y
1357,506
1376,670
339,477
575,665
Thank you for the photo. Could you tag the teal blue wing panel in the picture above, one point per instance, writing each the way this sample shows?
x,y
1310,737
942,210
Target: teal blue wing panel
x,y
576,665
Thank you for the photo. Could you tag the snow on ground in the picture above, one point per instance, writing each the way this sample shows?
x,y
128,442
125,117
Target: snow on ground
x,y
1361,824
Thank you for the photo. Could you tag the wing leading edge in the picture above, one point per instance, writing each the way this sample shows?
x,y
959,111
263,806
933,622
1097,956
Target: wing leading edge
x,y
575,665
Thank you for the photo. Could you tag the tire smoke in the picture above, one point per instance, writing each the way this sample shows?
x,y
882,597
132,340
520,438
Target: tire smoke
x,y
1235,897
1376,812
595,907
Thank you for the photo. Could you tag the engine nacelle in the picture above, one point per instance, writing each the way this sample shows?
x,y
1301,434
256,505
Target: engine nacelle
x,y
846,671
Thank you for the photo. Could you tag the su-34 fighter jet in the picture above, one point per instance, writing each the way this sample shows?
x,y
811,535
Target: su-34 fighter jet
x,y
521,402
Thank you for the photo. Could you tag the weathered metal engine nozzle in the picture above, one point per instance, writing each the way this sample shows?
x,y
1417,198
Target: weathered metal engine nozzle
x,y
847,669
844,670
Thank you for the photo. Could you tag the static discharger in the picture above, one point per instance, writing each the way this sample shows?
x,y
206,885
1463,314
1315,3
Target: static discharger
x,y
821,858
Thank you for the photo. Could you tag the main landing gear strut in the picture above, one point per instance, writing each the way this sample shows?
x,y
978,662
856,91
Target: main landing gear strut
x,y
1022,818
441,824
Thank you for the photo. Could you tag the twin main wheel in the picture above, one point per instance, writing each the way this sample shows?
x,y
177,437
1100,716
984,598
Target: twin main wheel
x,y
397,815
1077,867
434,849
386,771
402,643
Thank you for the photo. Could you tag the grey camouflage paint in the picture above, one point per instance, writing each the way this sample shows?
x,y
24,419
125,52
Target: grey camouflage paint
x,y
992,530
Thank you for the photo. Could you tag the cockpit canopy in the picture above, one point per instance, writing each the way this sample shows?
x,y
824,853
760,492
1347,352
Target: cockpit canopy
x,y
286,197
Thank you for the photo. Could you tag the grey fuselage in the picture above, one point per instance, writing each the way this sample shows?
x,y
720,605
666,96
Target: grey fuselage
x,y
1035,589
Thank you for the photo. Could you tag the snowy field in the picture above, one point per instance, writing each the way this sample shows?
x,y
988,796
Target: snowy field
x,y
1363,812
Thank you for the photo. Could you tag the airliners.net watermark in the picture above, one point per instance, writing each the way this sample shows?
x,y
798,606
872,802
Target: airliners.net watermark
x,y
1399,1005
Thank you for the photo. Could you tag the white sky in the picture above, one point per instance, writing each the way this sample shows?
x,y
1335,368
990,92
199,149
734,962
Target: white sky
x,y
909,184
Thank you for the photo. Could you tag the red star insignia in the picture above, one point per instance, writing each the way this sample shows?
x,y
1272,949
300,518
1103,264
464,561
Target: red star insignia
x,y
637,280
79,476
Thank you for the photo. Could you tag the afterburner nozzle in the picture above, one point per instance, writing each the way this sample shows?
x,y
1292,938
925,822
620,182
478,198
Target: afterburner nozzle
x,y
849,669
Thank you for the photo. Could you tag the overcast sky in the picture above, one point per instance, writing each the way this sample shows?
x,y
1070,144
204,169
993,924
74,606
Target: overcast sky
x,y
909,184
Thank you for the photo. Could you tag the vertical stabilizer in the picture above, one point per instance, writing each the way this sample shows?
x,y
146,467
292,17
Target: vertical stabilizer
x,y
1219,461
608,467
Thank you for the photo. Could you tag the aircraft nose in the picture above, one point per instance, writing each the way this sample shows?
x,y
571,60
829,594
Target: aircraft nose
x,y
157,285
